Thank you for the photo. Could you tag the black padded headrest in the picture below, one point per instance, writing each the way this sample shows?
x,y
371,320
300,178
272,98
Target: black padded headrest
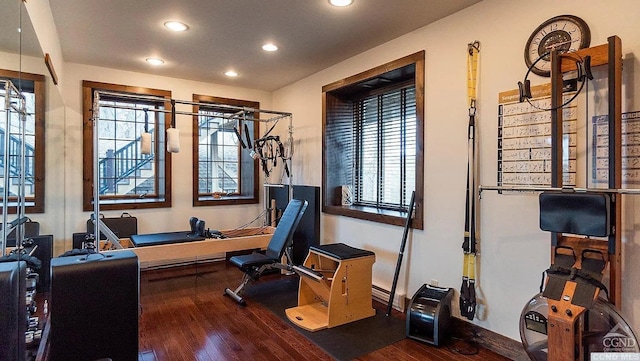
x,y
586,214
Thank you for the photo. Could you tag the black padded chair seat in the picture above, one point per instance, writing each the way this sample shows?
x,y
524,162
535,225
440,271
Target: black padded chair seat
x,y
341,251
255,259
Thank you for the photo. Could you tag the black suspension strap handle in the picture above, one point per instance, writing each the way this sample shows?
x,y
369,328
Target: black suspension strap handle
x,y
173,113
235,130
247,135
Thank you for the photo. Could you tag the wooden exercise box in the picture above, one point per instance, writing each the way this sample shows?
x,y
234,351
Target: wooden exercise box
x,y
335,287
565,326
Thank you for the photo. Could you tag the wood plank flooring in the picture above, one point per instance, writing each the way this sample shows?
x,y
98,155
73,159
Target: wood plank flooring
x,y
184,316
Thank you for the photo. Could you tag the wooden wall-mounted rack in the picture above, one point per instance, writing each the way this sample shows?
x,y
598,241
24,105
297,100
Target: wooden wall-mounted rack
x,y
564,331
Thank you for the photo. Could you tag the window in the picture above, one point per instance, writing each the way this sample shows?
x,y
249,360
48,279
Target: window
x,y
373,142
128,178
223,172
32,88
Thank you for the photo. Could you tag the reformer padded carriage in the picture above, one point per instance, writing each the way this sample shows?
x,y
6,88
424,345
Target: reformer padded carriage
x,y
253,265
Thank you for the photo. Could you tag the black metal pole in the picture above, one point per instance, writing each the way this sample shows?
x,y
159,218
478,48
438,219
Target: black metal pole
x,y
407,225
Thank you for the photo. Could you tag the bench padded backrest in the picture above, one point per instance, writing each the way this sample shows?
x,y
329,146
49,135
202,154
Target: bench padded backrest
x,y
586,214
286,227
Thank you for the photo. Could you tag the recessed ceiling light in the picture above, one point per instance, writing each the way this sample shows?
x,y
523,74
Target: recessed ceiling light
x,y
341,3
269,47
230,73
176,26
155,61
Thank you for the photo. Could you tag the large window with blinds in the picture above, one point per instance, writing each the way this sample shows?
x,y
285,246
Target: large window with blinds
x,y
373,143
385,134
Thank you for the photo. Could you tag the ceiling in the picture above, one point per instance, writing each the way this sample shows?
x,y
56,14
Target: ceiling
x,y
14,17
228,34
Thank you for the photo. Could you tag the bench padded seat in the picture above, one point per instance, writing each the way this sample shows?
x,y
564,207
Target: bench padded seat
x,y
341,251
254,259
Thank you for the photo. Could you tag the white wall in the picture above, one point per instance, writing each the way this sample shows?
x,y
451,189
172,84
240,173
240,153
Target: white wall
x,y
513,251
42,19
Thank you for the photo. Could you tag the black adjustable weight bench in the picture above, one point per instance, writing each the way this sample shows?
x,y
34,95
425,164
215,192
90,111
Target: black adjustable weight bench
x,y
253,265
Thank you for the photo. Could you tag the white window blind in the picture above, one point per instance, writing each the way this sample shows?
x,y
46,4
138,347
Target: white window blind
x,y
385,134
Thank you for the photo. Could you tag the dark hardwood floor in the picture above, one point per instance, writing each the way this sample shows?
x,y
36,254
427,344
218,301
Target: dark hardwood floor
x,y
184,316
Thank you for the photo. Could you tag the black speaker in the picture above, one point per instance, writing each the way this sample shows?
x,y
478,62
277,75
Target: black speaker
x,y
429,314
13,312
93,307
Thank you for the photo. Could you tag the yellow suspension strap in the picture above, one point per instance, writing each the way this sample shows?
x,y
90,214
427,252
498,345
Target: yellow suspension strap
x,y
468,290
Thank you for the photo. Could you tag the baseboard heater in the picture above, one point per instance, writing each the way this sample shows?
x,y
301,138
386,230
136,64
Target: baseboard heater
x,y
381,295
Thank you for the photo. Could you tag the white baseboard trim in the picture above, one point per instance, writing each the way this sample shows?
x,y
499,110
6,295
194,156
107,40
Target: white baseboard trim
x,y
382,295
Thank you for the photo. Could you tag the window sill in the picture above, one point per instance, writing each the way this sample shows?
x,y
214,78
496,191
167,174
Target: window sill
x,y
222,201
29,207
138,203
374,215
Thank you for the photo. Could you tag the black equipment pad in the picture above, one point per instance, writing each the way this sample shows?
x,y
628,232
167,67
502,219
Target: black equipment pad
x,y
341,251
94,307
584,295
576,213
558,274
31,229
123,227
154,239
254,259
13,313
554,287
587,278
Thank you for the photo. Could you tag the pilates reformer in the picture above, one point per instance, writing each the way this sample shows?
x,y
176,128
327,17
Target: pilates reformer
x,y
255,264
197,232
183,245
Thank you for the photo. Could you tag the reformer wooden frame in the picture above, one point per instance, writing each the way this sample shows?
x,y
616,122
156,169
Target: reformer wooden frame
x,y
189,252
565,327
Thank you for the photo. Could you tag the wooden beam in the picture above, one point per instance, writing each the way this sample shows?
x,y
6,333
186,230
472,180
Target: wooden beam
x,y
52,71
615,166
599,56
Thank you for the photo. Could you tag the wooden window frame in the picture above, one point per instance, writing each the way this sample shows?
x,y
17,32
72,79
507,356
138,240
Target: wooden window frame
x,y
227,200
88,88
330,102
38,205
